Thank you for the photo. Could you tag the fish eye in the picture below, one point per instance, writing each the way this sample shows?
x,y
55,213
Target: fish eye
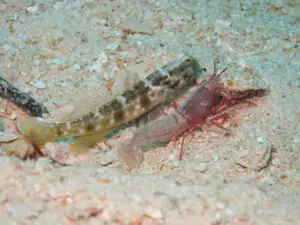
x,y
188,61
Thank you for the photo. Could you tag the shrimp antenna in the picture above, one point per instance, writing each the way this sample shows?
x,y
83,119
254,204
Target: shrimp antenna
x,y
223,71
215,68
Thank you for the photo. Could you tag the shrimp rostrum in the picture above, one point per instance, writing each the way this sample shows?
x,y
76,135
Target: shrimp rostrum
x,y
207,104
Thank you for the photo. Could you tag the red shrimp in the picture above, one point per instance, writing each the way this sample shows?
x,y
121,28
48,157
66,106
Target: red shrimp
x,y
204,105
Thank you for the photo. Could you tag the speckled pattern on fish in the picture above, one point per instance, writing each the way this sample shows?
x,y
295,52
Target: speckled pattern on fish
x,y
158,87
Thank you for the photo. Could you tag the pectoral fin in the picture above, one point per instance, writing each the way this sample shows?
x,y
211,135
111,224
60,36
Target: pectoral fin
x,y
83,143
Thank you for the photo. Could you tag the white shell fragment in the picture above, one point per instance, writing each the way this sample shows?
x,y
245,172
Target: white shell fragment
x,y
260,140
38,84
33,9
112,47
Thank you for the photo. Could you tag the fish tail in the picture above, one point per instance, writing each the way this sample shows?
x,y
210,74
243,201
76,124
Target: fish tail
x,y
36,130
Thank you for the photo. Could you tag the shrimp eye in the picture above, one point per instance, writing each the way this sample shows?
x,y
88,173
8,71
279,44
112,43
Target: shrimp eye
x,y
188,61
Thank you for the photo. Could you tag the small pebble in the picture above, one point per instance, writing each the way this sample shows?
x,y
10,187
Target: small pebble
x,y
260,140
76,66
139,59
38,84
201,167
296,140
276,161
33,9
112,47
154,213
218,42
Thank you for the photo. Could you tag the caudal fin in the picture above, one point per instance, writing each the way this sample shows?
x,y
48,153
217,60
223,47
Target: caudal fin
x,y
36,130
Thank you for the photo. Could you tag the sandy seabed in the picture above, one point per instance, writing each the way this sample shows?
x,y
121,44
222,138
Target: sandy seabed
x,y
68,51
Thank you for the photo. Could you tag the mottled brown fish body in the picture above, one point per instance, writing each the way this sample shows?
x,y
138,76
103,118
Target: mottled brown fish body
x,y
157,88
